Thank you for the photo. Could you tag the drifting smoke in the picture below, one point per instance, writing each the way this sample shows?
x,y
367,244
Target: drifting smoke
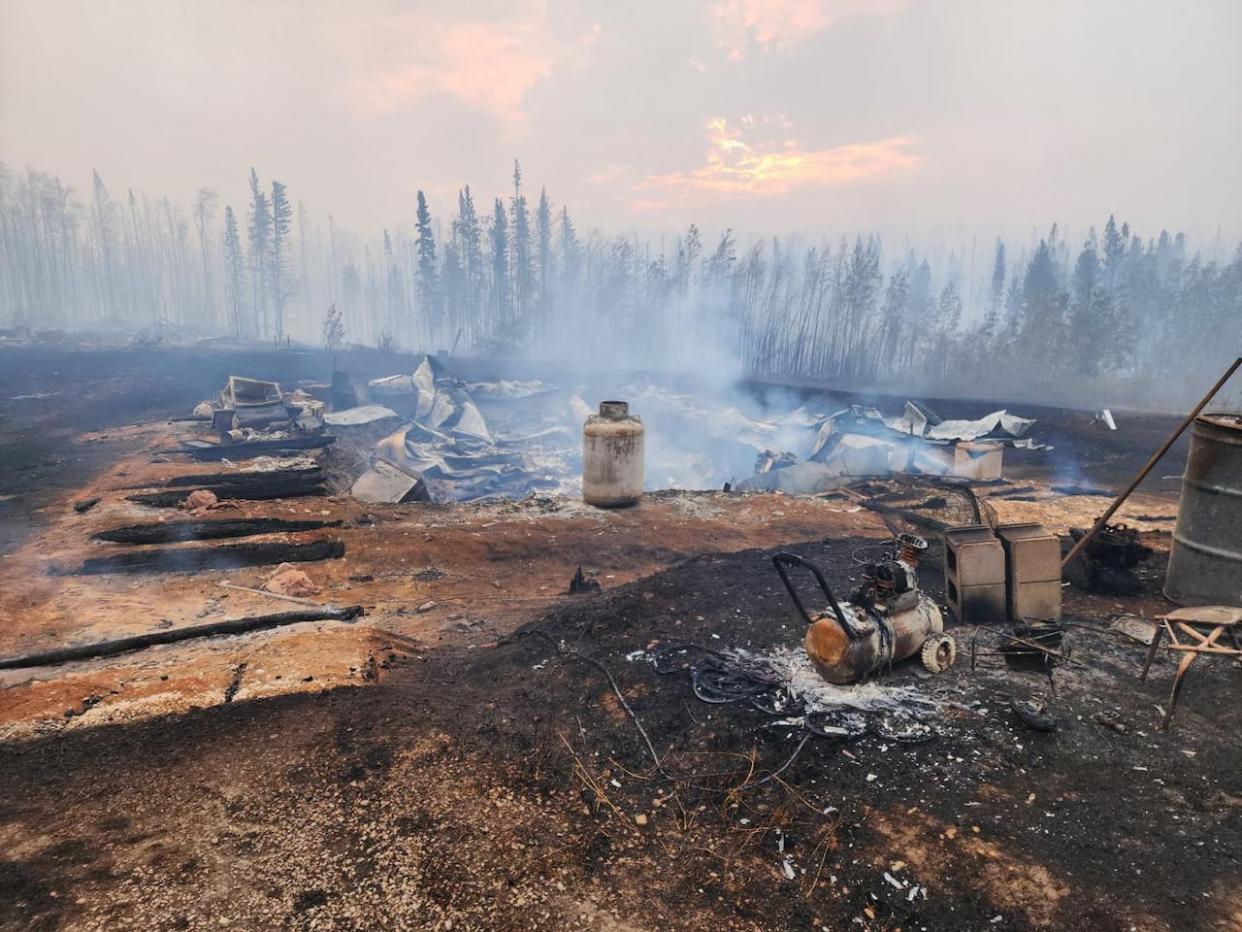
x,y
1079,323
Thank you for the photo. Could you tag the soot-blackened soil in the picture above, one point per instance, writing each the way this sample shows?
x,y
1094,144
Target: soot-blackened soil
x,y
507,787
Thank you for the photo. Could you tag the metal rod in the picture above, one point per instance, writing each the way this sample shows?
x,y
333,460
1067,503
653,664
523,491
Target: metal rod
x,y
1151,464
298,600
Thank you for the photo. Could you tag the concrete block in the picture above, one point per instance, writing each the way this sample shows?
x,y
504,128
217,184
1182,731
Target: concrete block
x,y
1032,552
973,556
974,575
1032,570
977,605
1034,601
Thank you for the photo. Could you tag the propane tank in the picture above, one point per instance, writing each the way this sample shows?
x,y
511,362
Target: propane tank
x,y
612,457
886,620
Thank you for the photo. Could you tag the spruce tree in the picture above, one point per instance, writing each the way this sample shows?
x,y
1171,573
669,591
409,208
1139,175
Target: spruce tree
x,y
280,277
543,245
430,294
260,237
469,241
520,249
500,266
235,270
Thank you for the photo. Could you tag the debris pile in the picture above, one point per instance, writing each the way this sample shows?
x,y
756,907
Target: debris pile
x,y
861,441
1111,559
444,451
252,416
786,685
467,441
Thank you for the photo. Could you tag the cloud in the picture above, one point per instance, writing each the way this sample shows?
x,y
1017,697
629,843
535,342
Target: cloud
x,y
609,173
486,65
734,166
774,24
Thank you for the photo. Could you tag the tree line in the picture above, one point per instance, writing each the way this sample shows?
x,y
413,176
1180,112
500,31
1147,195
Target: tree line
x,y
1049,316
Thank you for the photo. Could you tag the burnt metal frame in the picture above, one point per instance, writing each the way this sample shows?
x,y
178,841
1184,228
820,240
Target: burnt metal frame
x,y
783,559
1197,642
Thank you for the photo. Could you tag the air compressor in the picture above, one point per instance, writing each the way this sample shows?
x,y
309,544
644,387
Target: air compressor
x,y
887,618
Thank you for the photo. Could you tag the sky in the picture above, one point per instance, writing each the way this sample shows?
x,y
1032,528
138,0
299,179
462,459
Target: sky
x,y
906,117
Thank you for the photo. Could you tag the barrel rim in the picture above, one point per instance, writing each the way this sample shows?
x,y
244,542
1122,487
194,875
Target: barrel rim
x,y
1222,420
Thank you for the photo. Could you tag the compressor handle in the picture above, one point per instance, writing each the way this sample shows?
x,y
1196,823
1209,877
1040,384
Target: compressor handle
x,y
784,559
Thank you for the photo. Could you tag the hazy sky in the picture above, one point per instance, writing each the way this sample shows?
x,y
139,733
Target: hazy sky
x,y
766,115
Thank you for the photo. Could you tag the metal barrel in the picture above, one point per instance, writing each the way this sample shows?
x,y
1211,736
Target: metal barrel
x,y
1205,563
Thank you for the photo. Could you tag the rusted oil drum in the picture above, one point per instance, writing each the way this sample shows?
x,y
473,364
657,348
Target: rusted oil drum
x,y
1205,565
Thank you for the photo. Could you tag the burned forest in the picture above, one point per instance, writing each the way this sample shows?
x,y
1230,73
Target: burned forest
x,y
802,489
1099,314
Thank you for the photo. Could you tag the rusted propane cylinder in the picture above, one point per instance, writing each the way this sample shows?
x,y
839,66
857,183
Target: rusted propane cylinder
x,y
612,457
1205,562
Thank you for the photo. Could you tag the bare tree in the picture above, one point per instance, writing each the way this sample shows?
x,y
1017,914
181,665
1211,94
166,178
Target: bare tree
x,y
203,213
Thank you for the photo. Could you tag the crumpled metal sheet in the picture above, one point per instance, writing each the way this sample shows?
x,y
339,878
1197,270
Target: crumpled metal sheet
x,y
998,422
354,417
384,483
447,443
919,421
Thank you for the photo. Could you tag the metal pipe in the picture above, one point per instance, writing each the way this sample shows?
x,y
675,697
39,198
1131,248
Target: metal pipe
x,y
1151,464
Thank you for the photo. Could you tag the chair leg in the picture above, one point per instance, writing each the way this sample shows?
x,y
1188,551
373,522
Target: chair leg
x,y
1151,652
1177,688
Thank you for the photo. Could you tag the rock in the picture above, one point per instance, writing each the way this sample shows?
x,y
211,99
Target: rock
x,y
200,499
290,581
425,607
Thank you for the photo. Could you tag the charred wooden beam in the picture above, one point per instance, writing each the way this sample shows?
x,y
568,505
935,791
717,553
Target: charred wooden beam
x,y
240,479
202,450
273,485
190,559
173,635
176,531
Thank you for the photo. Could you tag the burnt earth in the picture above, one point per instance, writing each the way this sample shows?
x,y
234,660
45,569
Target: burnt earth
x,y
506,787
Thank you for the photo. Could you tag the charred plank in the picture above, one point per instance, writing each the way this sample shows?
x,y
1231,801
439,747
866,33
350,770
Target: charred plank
x,y
215,629
177,531
202,450
274,485
191,559
241,479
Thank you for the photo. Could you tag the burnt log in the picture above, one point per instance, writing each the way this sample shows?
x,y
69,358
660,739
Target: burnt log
x,y
272,485
193,559
240,480
176,531
202,450
173,635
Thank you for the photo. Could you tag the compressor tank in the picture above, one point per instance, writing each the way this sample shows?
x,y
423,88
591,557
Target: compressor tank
x,y
842,660
612,457
1205,563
